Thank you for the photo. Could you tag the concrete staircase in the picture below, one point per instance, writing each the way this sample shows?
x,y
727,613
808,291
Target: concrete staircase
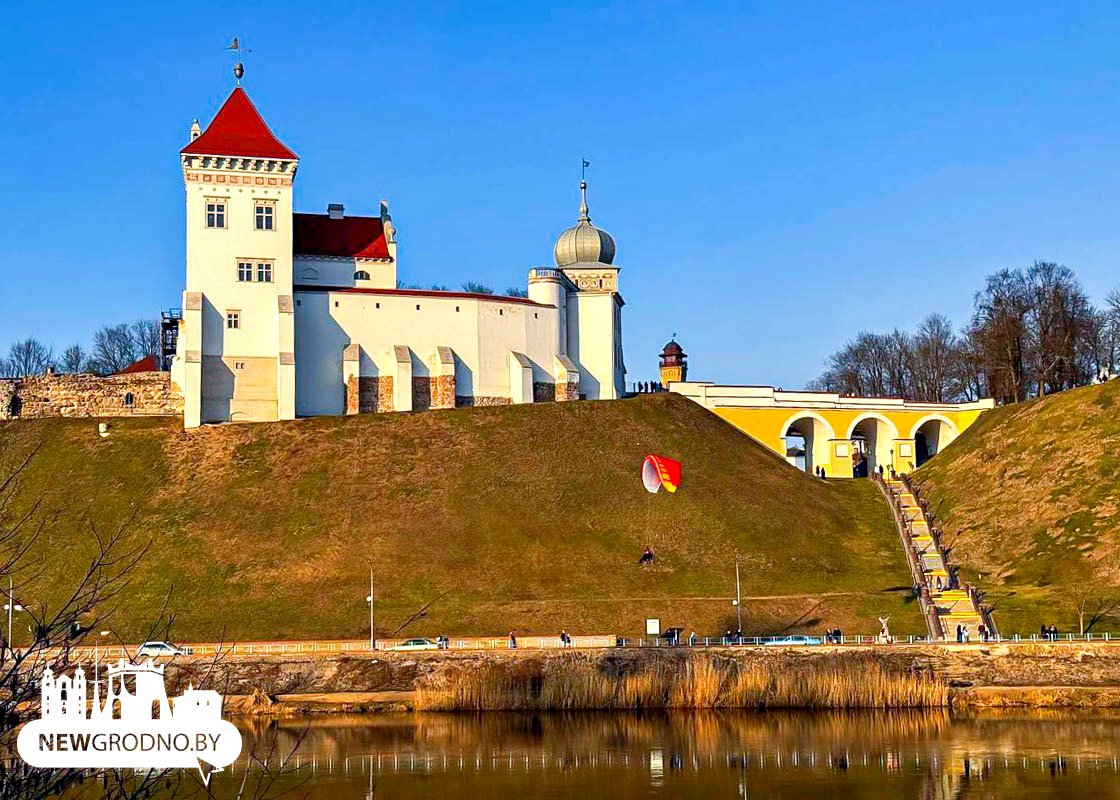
x,y
945,604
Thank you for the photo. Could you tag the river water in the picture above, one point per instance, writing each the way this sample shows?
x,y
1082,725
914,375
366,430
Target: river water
x,y
683,754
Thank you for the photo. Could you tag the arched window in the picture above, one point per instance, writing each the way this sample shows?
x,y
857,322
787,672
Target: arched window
x,y
129,400
361,275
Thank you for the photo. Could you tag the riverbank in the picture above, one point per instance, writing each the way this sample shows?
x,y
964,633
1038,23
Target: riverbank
x,y
1025,675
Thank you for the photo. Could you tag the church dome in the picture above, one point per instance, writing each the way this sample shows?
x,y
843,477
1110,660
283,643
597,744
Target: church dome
x,y
584,243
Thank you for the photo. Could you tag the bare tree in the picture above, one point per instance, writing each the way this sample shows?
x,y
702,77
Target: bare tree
x,y
73,359
477,287
935,370
26,357
146,338
118,346
999,333
1091,605
1059,320
968,370
113,349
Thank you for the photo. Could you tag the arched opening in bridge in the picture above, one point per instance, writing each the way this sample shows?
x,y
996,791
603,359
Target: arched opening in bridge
x,y
806,440
872,445
930,437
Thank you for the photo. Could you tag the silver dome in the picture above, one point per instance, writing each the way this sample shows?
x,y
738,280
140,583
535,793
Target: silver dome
x,y
584,243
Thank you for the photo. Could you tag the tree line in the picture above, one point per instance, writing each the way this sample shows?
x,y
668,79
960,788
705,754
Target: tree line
x,y
1032,332
113,348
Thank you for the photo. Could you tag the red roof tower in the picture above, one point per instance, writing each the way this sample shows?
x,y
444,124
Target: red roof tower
x,y
239,130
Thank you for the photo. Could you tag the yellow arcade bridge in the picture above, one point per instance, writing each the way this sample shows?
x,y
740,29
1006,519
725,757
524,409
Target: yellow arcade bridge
x,y
842,434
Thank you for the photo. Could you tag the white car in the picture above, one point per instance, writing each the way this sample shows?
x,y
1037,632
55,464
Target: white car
x,y
416,644
154,649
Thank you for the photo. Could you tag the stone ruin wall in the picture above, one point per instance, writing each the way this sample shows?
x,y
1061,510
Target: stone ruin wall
x,y
86,395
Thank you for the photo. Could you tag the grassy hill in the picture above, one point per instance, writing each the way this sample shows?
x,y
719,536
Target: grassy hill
x,y
1030,497
527,517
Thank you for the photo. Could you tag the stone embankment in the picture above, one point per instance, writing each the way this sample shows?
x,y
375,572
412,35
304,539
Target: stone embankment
x,y
1003,675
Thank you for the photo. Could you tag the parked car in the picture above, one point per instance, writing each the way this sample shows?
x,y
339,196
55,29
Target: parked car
x,y
154,649
416,644
794,640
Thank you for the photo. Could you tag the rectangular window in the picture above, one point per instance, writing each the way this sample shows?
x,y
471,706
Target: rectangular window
x,y
263,216
264,272
215,212
233,320
244,271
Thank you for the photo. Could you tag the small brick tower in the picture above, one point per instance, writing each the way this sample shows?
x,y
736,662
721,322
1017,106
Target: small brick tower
x,y
673,363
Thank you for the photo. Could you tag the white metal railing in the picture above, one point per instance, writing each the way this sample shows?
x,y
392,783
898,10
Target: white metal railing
x,y
531,643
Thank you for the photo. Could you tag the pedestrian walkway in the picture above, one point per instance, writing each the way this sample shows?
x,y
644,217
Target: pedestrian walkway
x,y
946,605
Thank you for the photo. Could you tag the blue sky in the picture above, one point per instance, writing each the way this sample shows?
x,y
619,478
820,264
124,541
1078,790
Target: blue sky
x,y
776,175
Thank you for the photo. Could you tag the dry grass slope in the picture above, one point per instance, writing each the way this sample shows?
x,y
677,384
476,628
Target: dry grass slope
x,y
476,521
1030,499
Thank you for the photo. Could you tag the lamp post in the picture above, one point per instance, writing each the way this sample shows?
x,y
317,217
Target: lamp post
x,y
96,654
369,599
11,606
738,601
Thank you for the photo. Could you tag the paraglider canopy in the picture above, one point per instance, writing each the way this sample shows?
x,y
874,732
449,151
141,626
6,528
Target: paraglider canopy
x,y
658,471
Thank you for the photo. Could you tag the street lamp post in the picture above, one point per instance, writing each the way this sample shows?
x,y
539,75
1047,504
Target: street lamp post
x,y
97,641
372,641
738,601
11,606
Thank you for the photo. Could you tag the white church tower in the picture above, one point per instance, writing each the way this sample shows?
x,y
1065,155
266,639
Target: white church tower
x,y
584,286
236,347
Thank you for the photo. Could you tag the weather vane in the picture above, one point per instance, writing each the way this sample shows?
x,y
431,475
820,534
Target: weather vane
x,y
236,47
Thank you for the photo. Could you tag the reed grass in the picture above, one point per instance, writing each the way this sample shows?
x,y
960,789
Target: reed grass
x,y
694,680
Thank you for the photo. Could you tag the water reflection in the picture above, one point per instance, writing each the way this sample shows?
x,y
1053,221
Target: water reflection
x,y
686,754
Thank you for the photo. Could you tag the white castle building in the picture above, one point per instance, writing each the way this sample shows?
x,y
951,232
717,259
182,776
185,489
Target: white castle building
x,y
290,314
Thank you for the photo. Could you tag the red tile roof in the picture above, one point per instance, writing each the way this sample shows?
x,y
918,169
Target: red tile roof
x,y
352,237
238,130
146,364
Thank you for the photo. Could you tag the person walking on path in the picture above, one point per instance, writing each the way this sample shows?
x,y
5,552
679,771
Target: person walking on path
x,y
512,641
1053,632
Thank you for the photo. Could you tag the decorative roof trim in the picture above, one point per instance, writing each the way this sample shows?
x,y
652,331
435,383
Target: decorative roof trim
x,y
318,257
489,298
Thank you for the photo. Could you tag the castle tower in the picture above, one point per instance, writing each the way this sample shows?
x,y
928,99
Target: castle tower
x,y
673,363
584,257
236,352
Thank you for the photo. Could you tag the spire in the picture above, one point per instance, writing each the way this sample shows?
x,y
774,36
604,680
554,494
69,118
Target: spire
x,y
584,216
238,130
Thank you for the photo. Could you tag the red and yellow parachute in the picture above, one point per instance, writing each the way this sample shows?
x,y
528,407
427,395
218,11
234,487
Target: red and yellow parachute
x,y
658,471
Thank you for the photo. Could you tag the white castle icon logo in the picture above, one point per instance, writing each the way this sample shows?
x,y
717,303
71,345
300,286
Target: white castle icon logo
x,y
66,697
135,725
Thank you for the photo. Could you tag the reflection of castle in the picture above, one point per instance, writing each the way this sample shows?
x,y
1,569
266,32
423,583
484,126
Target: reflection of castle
x,y
134,692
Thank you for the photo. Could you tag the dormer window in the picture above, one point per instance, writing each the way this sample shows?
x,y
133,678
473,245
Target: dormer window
x,y
361,275
264,216
215,212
